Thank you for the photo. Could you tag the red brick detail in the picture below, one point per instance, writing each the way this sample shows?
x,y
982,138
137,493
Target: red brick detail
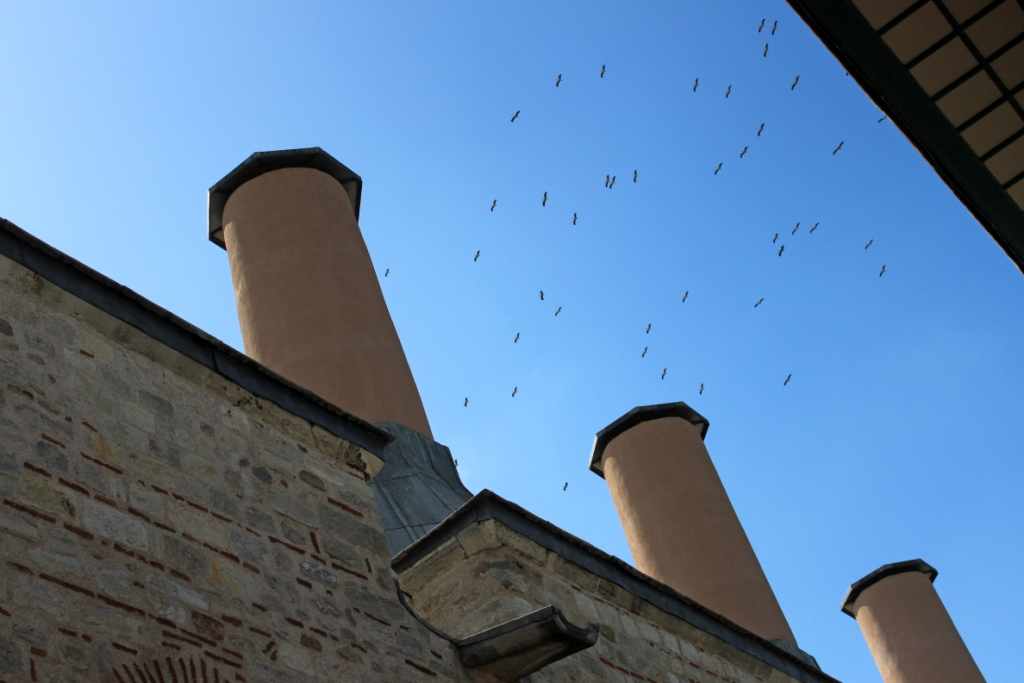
x,y
78,530
38,470
159,525
294,622
197,506
251,567
38,652
106,501
312,537
101,463
260,632
378,619
47,437
138,514
86,353
125,606
222,660
420,668
74,487
30,511
124,648
178,575
350,571
67,632
89,426
297,549
344,507
222,517
68,585
234,621
175,636
303,582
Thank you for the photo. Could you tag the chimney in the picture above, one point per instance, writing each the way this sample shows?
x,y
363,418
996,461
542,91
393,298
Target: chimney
x,y
907,627
680,525
309,303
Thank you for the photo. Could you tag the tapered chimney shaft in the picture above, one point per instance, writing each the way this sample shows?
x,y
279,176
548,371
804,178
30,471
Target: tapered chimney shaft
x,y
679,522
908,629
308,298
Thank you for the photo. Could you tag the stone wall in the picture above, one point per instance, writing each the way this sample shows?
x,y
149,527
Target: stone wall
x,y
161,524
488,573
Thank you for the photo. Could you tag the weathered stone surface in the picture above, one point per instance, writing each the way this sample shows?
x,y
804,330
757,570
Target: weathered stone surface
x,y
104,520
293,509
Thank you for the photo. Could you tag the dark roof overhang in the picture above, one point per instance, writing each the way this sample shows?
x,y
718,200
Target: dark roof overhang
x,y
885,571
638,415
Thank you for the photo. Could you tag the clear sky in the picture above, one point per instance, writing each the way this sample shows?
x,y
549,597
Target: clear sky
x,y
898,436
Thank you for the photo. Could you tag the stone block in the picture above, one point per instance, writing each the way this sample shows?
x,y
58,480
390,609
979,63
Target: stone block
x,y
16,525
175,590
104,520
293,509
344,525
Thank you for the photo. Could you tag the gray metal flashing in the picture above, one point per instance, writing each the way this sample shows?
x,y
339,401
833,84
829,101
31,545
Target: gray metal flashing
x,y
637,416
883,572
488,505
129,307
866,57
264,162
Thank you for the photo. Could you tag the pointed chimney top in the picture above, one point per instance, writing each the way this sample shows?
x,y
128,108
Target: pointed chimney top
x,y
885,571
636,416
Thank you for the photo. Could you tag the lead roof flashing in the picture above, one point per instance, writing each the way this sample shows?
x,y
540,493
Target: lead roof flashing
x,y
265,162
122,303
488,505
884,572
637,416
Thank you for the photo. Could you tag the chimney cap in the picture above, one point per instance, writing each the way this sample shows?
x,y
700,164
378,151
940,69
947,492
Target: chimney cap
x,y
885,571
636,416
264,162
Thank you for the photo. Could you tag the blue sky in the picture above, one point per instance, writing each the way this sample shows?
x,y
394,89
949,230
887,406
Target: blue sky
x,y
899,435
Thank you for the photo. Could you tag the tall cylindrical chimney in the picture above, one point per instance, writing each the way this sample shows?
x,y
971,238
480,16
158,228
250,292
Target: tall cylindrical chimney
x,y
309,302
679,522
908,629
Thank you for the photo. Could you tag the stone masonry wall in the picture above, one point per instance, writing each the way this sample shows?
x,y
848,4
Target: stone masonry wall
x,y
161,525
488,574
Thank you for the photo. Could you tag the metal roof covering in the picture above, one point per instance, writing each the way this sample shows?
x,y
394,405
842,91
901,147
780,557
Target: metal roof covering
x,y
950,75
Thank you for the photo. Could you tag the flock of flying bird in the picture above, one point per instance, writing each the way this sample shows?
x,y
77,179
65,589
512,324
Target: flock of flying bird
x,y
610,181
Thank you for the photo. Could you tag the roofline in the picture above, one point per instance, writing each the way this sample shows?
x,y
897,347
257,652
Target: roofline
x,y
866,57
127,306
259,163
488,505
884,572
637,416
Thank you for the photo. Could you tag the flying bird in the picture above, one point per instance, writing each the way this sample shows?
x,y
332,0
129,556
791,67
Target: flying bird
x,y
612,183
494,204
386,271
566,486
837,148
663,373
884,117
559,81
685,296
795,229
883,271
695,84
701,389
759,130
761,26
814,228
477,256
602,71
574,219
727,91
782,248
456,462
544,202
644,353
542,295
634,175
514,392
766,49
718,169
648,328
465,403
788,377
559,310
515,116
744,151
759,302
870,242
516,340
774,26
607,180
797,80
776,238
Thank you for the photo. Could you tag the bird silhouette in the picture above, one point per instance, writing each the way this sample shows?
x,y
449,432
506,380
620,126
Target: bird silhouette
x,y
759,302
607,179
465,403
870,242
515,116
761,26
456,462
542,295
884,117
782,248
788,377
759,130
727,91
695,84
602,71
718,169
386,271
644,353
814,228
883,271
837,148
795,81
516,340
477,256
515,391
701,389
559,310
634,175
766,49
663,373
795,229
685,296
776,238
574,219
744,151
544,202
612,183
774,26
648,328
559,81
566,486
494,204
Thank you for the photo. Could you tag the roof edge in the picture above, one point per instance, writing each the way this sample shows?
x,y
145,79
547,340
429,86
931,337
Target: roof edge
x,y
884,572
639,415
